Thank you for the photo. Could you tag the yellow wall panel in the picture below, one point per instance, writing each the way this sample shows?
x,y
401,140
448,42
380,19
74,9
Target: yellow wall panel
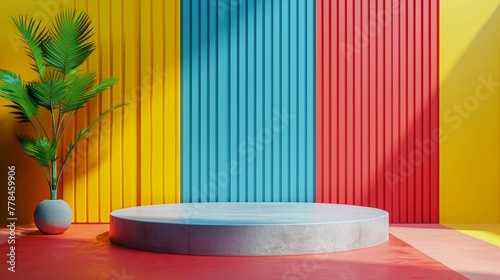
x,y
144,101
171,101
117,183
157,101
133,157
470,111
131,79
103,53
92,9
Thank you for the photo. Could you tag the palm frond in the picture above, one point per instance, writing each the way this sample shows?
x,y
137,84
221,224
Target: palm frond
x,y
13,90
69,46
77,96
49,92
104,85
85,133
18,113
41,150
33,35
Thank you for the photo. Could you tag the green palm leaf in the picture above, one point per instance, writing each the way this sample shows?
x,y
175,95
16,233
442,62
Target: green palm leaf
x,y
49,92
13,90
82,90
77,96
33,36
68,46
104,85
41,150
85,133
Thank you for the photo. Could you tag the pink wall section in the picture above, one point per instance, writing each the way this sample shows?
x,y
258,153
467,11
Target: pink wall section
x,y
377,106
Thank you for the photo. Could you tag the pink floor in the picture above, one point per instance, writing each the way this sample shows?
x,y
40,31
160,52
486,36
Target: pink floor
x,y
84,252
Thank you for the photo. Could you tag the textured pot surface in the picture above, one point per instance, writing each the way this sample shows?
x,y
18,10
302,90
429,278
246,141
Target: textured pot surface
x,y
53,216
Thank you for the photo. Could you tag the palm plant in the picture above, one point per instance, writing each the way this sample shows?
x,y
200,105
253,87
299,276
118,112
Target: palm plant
x,y
61,88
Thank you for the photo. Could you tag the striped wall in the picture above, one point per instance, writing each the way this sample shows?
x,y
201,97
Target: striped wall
x,y
377,106
283,100
248,91
133,157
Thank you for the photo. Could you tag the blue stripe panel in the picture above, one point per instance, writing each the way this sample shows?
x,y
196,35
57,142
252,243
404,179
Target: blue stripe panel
x,y
248,95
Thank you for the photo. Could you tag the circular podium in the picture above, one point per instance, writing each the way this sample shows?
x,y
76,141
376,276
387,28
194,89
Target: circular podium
x,y
248,228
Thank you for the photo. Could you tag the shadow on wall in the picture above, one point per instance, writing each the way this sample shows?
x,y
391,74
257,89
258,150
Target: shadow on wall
x,y
31,186
469,117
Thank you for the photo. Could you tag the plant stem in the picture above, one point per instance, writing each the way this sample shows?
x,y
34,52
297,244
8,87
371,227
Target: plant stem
x,y
53,187
65,126
43,128
53,194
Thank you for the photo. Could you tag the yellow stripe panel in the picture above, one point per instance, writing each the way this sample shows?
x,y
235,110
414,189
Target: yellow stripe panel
x,y
93,148
133,157
103,52
145,102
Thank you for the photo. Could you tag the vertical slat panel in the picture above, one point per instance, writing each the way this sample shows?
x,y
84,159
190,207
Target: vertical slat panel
x,y
343,55
304,122
251,111
233,87
130,57
286,95
145,103
134,156
93,147
426,111
357,150
157,95
402,162
365,103
384,100
269,97
309,72
434,99
334,76
388,100
116,116
418,159
395,187
204,108
293,77
261,71
248,128
81,153
380,115
411,111
349,98
69,174
373,27
103,51
321,41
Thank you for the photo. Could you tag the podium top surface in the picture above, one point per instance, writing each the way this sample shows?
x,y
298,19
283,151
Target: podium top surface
x,y
249,213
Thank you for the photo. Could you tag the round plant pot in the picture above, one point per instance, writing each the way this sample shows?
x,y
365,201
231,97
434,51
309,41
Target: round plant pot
x,y
53,216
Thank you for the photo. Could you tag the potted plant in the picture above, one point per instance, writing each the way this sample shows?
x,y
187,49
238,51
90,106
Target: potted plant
x,y
62,89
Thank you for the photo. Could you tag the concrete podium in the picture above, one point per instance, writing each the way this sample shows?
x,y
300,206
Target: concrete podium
x,y
249,229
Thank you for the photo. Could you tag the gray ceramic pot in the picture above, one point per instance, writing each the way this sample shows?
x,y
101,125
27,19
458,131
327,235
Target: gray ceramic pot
x,y
53,216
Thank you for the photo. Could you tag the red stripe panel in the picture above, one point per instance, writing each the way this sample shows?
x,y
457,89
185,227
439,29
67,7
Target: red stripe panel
x,y
377,106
